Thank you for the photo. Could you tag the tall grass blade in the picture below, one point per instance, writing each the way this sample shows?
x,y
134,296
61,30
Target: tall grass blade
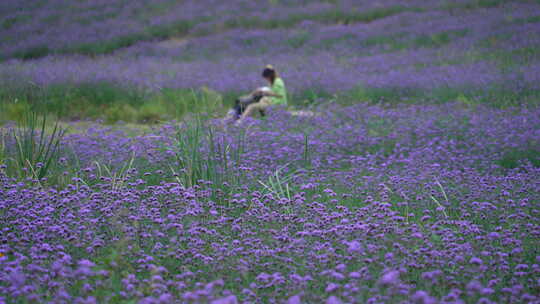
x,y
201,156
35,150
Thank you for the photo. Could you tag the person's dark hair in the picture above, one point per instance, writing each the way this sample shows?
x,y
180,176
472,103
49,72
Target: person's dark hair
x,y
269,73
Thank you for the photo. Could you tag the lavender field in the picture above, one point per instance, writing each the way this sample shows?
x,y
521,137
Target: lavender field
x,y
138,61
405,169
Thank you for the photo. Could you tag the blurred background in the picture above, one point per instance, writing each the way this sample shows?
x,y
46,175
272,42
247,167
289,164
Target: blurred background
x,y
148,61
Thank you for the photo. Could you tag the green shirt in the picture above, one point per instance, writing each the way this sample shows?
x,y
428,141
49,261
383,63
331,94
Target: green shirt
x,y
279,88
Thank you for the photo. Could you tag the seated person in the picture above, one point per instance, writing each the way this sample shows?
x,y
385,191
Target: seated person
x,y
262,98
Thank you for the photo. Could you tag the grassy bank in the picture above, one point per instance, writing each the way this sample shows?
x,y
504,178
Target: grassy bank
x,y
112,103
109,102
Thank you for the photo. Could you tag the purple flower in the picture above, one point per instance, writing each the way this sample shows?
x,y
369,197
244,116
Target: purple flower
x,y
476,261
390,278
226,300
422,297
294,300
333,300
331,287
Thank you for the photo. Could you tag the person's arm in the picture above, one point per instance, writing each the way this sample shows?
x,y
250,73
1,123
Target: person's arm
x,y
271,94
265,93
277,87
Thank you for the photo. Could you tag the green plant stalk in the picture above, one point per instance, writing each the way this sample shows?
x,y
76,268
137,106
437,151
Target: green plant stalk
x,y
36,154
217,164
